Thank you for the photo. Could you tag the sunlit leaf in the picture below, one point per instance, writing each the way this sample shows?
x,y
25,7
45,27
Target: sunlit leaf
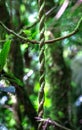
x,y
4,53
27,32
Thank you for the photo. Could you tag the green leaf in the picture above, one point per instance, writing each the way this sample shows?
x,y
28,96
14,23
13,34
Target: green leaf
x,y
11,77
27,32
4,53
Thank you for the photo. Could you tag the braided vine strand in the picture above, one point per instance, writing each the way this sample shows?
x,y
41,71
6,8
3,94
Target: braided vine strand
x,y
41,59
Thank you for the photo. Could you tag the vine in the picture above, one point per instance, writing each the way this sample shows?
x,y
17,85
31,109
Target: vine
x,y
42,60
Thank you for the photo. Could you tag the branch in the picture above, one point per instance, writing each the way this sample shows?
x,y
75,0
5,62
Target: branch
x,y
67,36
2,41
50,122
17,35
8,38
29,27
46,42
49,12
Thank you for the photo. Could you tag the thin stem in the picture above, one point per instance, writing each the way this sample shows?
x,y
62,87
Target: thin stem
x,y
46,42
51,122
29,27
67,36
17,35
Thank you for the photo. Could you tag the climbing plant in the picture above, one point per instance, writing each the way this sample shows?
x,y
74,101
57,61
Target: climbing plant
x,y
20,47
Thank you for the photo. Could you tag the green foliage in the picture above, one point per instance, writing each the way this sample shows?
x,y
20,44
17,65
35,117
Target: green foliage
x,y
58,57
4,53
14,79
27,32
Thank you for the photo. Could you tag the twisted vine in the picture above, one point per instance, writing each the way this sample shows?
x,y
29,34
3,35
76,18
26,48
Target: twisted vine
x,y
41,59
